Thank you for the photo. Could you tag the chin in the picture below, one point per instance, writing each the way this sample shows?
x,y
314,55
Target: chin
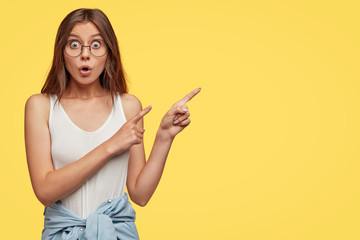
x,y
86,80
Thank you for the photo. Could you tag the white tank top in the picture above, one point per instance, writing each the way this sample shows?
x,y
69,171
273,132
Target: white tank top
x,y
69,143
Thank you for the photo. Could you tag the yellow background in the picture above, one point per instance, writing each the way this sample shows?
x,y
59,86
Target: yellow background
x,y
273,148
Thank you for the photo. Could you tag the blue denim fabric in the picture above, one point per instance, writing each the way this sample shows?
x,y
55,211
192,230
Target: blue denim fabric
x,y
113,219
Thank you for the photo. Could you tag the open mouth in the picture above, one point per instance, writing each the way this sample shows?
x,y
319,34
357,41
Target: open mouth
x,y
85,71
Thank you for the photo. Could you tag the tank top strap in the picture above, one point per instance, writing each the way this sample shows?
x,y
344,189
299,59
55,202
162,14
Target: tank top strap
x,y
53,98
119,107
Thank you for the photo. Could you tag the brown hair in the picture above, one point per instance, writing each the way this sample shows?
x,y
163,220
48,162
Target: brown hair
x,y
113,76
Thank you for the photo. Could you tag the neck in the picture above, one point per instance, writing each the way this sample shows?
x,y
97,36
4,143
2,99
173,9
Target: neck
x,y
84,91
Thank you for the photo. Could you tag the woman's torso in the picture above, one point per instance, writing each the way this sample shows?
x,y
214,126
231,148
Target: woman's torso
x,y
69,143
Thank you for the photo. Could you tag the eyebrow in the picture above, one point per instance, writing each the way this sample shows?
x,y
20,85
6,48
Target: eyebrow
x,y
94,35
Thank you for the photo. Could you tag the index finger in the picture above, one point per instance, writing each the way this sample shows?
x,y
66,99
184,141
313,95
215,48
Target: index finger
x,y
140,114
188,97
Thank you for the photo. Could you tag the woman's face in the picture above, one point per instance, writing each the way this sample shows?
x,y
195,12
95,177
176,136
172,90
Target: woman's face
x,y
87,34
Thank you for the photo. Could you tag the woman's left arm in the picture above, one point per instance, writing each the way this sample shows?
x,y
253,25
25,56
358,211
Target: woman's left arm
x,y
144,176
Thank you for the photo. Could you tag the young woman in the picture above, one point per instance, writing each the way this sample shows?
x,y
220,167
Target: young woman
x,y
84,136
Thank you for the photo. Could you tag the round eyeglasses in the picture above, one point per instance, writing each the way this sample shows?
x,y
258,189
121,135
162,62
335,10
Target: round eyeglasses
x,y
74,48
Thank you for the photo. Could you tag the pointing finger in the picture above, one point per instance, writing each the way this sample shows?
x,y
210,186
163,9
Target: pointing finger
x,y
188,97
140,114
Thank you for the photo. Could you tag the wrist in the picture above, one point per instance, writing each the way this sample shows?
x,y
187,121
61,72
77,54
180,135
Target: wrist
x,y
109,149
164,136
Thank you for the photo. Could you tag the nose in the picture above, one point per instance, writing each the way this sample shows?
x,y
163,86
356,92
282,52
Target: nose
x,y
85,54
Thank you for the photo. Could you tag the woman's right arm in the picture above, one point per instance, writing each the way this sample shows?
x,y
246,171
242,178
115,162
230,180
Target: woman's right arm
x,y
51,185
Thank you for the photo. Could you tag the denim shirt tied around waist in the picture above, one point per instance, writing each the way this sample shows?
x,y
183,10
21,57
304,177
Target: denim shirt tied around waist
x,y
113,219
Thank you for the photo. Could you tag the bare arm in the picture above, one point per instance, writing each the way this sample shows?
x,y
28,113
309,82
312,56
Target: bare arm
x,y
144,177
51,185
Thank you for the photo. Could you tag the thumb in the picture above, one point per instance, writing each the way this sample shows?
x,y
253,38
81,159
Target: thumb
x,y
178,110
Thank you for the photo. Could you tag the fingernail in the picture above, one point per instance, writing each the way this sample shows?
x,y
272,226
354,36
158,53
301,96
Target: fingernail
x,y
185,109
149,107
176,117
175,122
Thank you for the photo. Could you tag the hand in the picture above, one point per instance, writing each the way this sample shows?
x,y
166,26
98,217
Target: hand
x,y
129,134
176,119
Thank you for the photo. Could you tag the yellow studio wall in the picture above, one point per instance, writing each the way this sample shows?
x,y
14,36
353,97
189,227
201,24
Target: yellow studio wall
x,y
272,151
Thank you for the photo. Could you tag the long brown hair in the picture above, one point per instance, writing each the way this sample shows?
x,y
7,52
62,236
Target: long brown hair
x,y
113,76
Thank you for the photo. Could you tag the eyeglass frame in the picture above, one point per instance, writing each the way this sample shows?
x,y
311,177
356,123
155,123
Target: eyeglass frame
x,y
82,46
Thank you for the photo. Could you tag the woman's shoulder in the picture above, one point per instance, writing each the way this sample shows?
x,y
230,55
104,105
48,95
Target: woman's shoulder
x,y
39,100
131,104
38,104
